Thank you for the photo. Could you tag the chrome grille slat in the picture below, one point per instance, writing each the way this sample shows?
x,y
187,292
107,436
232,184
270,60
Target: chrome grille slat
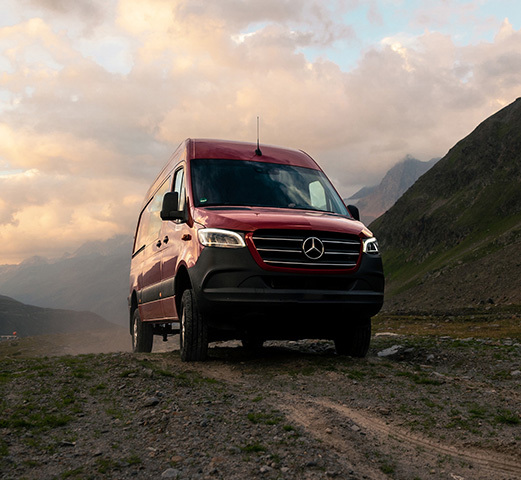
x,y
277,250
342,253
341,242
277,238
284,248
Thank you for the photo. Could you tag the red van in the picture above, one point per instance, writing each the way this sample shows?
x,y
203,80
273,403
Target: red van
x,y
237,241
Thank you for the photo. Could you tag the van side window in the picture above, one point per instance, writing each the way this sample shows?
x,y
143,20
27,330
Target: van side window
x,y
179,187
149,227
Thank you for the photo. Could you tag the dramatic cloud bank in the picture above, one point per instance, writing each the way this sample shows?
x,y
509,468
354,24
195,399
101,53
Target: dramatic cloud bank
x,y
94,95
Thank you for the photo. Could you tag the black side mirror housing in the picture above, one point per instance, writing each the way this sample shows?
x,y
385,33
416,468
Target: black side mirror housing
x,y
170,208
353,210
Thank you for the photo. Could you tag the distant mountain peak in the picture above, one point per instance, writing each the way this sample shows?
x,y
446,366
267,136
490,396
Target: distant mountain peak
x,y
363,192
108,247
35,260
94,278
374,201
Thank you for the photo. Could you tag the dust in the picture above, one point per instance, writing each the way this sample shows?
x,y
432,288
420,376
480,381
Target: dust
x,y
107,340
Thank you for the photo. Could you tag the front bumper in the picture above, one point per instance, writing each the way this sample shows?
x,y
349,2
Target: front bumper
x,y
234,293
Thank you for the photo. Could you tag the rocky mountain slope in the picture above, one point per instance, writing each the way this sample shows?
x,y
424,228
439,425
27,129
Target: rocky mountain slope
x,y
27,320
454,238
93,278
374,201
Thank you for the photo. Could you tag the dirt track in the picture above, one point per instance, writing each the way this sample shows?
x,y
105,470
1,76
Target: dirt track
x,y
361,436
436,408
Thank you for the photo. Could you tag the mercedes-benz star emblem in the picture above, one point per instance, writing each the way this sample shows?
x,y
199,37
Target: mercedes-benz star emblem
x,y
313,248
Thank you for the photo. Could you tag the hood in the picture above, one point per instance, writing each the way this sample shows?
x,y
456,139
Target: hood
x,y
248,219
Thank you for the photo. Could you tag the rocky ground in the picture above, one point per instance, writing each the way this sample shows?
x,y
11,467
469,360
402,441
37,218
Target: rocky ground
x,y
436,398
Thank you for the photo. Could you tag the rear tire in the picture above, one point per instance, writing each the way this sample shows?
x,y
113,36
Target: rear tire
x,y
193,337
355,340
142,334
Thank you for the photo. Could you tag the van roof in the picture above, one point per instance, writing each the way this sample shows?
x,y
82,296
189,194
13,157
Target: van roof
x,y
225,149
231,150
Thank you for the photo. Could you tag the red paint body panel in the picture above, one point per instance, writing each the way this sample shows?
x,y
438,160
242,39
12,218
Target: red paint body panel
x,y
246,151
151,310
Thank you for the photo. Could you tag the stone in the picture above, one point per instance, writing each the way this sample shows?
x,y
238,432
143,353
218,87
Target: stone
x,y
151,402
170,473
390,351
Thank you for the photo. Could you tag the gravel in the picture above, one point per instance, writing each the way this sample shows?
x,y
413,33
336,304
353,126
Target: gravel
x,y
434,408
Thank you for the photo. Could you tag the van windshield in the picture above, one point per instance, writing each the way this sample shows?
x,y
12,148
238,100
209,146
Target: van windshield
x,y
218,182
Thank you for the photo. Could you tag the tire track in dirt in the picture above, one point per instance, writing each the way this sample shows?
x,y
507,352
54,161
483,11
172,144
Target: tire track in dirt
x,y
312,420
326,420
307,410
349,452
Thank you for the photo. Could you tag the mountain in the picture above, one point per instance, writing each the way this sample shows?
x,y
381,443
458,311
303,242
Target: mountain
x,y
363,192
374,201
27,320
94,278
454,238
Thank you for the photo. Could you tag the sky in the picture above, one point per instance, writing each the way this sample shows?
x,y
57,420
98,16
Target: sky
x,y
96,94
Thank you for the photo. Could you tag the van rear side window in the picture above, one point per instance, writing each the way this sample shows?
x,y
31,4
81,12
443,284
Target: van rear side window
x,y
149,227
261,184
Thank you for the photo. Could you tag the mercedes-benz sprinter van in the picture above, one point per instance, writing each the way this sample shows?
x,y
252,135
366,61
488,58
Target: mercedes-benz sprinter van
x,y
240,241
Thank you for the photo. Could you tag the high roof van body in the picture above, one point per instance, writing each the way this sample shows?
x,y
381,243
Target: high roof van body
x,y
240,241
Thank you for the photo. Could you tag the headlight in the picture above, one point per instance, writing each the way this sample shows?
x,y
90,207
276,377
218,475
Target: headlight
x,y
371,245
214,237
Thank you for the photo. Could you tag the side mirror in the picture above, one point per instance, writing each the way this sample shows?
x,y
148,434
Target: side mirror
x,y
353,210
170,209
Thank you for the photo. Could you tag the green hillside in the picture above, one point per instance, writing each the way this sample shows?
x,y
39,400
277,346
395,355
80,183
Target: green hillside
x,y
454,238
28,320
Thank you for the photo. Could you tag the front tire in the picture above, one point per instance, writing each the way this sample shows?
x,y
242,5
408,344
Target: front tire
x,y
142,334
193,337
354,341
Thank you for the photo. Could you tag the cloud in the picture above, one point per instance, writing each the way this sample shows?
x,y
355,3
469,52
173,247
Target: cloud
x,y
86,15
435,15
85,133
49,214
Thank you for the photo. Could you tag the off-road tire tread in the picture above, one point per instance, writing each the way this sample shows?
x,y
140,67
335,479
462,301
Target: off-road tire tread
x,y
145,335
355,341
194,347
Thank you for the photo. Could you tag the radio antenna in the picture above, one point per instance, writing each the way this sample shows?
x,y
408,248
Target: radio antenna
x,y
258,151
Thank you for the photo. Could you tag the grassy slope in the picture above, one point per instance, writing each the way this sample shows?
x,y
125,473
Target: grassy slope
x,y
464,210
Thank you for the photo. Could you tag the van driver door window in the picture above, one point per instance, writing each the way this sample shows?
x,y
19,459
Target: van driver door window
x,y
179,187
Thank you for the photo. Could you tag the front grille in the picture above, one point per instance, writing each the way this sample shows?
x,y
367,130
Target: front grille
x,y
325,250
